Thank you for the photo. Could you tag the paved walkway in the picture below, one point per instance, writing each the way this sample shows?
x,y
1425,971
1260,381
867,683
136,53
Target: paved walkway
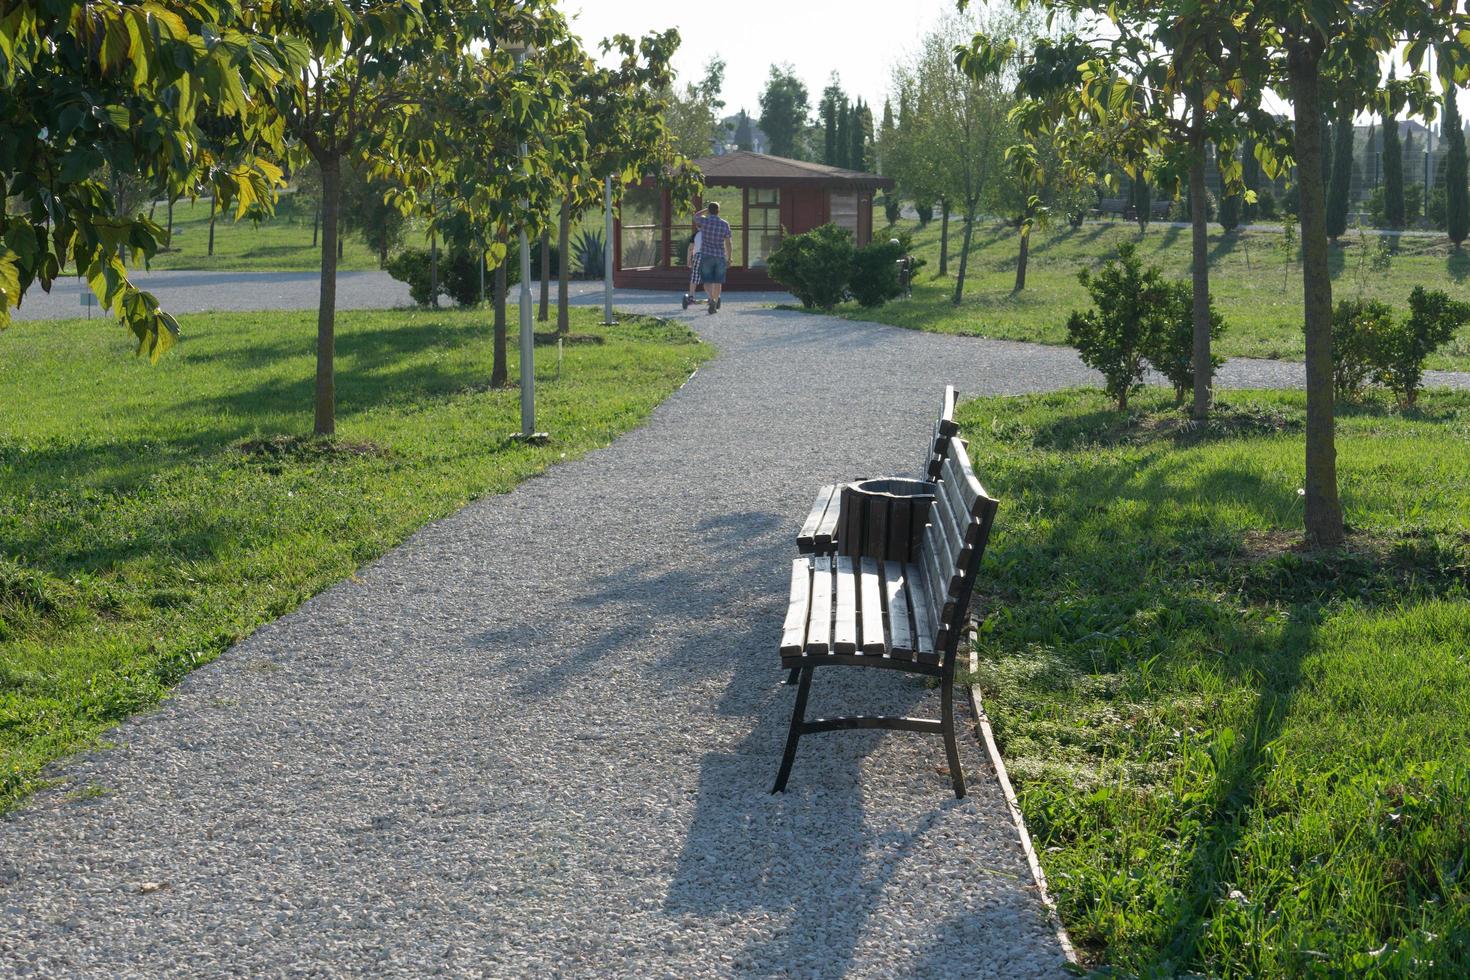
x,y
538,738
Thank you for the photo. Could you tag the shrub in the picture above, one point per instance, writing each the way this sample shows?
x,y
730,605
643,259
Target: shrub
x,y
412,266
1357,325
1402,349
1179,208
925,210
892,208
1170,347
874,278
1265,204
589,251
1437,207
815,266
460,272
1132,305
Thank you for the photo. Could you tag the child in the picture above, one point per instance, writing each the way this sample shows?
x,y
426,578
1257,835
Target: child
x,y
691,255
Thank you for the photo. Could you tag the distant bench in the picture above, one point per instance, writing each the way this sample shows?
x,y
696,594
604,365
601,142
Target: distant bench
x,y
862,608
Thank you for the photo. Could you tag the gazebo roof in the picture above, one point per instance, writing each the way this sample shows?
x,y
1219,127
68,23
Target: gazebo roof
x,y
745,169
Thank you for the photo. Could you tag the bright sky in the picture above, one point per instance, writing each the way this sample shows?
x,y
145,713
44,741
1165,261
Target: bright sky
x,y
858,39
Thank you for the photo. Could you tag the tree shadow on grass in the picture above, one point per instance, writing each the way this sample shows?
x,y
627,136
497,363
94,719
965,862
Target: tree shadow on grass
x,y
1457,264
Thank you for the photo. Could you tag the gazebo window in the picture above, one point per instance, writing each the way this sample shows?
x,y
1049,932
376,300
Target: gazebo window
x,y
763,224
845,212
642,223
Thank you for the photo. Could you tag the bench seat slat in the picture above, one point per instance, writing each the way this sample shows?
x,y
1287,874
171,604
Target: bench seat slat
x,y
923,621
845,628
819,620
793,631
806,538
870,605
900,620
826,534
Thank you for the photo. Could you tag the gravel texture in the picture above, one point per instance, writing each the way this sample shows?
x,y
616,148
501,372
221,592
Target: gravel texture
x,y
537,739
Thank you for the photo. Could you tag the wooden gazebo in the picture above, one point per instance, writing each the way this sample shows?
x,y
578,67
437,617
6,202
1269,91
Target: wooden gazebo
x,y
763,197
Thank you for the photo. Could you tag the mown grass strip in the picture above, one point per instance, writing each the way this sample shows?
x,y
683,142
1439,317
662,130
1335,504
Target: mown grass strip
x,y
1237,757
150,516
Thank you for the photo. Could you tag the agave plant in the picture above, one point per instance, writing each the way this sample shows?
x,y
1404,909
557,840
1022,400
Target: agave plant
x,y
589,251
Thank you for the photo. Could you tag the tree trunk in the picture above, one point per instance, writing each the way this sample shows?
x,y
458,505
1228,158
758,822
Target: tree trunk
x,y
499,372
959,282
1323,517
316,222
213,209
1022,258
944,238
1200,263
564,269
544,313
434,269
383,256
340,244
326,313
171,225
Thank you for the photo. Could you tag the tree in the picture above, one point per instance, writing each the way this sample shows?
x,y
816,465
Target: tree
x,y
88,90
1393,173
833,100
860,133
1154,95
744,140
371,64
692,116
1339,191
368,210
784,109
1141,198
1457,194
954,145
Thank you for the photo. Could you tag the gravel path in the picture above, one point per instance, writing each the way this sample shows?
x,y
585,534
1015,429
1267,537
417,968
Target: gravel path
x,y
538,738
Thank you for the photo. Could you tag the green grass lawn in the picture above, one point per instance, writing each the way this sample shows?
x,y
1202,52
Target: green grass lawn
x,y
280,244
150,516
1260,296
1237,758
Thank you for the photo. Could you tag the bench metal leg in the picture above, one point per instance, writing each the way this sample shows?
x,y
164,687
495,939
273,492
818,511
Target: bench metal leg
x,y
798,716
956,775
794,676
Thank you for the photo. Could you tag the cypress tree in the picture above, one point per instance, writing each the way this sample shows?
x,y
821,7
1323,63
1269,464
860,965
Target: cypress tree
x,y
843,141
1457,193
1326,150
1250,175
857,156
1142,200
1393,173
1342,172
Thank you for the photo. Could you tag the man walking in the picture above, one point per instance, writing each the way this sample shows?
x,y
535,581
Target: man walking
x,y
714,251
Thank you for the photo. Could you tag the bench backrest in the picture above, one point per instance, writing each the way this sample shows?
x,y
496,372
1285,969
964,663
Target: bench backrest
x,y
944,430
953,544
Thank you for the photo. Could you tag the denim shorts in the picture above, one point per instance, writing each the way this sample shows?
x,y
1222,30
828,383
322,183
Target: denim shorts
x,y
712,269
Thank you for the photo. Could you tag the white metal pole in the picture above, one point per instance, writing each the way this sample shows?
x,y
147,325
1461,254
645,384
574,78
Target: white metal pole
x,y
607,254
528,345
528,338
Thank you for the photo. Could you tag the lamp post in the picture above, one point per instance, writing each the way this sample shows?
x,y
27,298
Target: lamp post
x,y
518,50
607,253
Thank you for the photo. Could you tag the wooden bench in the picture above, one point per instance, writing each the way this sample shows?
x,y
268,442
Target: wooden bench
x,y
853,610
819,533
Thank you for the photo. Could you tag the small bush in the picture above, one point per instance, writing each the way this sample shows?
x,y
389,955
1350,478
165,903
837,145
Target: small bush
x,y
1357,325
1437,207
925,210
1265,204
1401,350
816,266
875,272
1170,348
589,252
892,208
412,266
460,273
1132,307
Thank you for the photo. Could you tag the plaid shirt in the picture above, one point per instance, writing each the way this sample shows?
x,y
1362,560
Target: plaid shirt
x,y
716,231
